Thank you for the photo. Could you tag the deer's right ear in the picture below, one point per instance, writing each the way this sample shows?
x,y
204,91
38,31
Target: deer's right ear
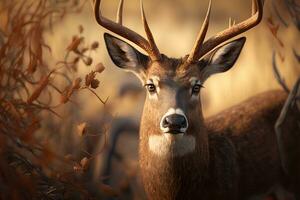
x,y
124,55
222,58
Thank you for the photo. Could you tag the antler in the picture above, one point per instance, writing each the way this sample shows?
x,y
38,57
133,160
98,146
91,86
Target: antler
x,y
200,48
116,27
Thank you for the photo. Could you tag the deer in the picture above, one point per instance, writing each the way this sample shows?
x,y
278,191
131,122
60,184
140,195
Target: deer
x,y
232,155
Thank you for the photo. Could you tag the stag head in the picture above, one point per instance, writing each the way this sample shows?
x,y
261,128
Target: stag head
x,y
173,85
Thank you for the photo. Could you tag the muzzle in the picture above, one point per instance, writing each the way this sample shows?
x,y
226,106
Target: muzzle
x,y
174,122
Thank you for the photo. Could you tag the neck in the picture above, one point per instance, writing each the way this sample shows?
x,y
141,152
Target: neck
x,y
173,163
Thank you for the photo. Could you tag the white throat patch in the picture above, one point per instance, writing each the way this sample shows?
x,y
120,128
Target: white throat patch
x,y
171,145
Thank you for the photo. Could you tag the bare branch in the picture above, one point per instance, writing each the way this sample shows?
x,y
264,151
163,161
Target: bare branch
x,y
277,75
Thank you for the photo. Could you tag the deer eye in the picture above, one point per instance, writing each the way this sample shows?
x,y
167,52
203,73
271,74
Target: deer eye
x,y
196,89
151,87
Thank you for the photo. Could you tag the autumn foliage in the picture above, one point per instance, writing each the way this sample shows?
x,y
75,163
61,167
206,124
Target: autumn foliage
x,y
33,91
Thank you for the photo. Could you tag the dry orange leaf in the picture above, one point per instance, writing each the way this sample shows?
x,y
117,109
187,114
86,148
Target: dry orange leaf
x,y
88,61
95,45
76,60
75,43
95,83
89,78
274,29
76,83
68,91
99,68
37,92
81,128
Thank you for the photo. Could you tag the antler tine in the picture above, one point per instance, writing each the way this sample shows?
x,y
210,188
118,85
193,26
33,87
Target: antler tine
x,y
119,19
148,31
201,37
124,32
233,31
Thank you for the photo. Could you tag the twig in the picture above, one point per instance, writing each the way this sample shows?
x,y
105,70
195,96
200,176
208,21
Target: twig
x,y
103,102
297,56
277,75
282,117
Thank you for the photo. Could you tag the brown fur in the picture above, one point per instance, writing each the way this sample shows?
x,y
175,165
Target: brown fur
x,y
236,154
233,155
251,128
243,156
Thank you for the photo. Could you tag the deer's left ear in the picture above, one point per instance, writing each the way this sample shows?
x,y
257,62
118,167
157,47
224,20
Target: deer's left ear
x,y
222,58
125,56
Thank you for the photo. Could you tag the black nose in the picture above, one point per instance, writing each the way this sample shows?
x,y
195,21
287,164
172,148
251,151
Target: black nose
x,y
175,123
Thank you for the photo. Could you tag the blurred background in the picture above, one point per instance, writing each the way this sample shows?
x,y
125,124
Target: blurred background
x,y
175,25
112,128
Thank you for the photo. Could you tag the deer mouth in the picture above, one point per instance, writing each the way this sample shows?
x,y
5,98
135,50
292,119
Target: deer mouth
x,y
174,130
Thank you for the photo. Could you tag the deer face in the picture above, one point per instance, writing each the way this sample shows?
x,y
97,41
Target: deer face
x,y
173,88
173,106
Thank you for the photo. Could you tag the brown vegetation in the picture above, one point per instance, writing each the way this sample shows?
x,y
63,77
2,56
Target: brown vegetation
x,y
34,93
